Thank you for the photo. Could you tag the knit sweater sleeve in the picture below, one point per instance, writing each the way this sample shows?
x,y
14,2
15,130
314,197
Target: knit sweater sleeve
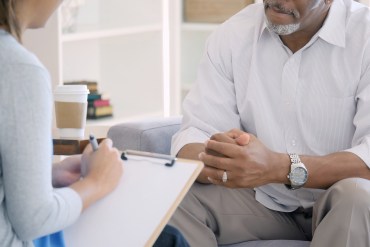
x,y
34,208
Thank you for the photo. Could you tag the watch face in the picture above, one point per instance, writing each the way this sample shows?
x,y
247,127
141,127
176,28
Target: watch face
x,y
298,176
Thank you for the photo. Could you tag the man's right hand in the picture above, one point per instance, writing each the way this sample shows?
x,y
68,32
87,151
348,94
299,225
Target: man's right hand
x,y
192,150
241,138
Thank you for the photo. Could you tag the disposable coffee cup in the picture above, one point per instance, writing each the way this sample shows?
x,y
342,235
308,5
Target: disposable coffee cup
x,y
70,103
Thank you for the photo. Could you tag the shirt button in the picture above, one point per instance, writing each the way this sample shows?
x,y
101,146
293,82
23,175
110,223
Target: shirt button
x,y
293,143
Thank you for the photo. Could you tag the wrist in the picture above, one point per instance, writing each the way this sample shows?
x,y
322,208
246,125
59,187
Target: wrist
x,y
88,190
298,174
283,164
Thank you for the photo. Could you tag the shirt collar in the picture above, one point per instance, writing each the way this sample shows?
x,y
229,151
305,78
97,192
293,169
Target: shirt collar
x,y
263,28
333,30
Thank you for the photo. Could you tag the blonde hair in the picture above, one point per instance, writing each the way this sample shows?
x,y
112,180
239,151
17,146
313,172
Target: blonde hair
x,y
8,18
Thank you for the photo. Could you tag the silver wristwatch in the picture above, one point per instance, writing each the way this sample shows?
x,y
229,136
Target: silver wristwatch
x,y
298,174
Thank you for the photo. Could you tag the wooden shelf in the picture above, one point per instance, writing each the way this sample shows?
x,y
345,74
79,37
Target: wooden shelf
x,y
70,146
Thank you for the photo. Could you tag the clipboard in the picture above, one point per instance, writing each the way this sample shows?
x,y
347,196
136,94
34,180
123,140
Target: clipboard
x,y
136,212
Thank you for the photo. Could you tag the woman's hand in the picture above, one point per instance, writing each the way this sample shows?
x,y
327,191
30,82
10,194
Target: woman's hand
x,y
67,171
101,171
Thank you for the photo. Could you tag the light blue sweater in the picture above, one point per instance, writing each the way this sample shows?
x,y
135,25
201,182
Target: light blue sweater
x,y
29,206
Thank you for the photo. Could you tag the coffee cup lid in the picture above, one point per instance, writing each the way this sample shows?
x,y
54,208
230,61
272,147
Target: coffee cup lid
x,y
71,89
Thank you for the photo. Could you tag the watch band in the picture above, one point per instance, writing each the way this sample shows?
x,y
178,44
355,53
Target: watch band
x,y
295,164
294,158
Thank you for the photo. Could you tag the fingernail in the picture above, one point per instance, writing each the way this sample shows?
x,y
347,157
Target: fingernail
x,y
200,156
210,179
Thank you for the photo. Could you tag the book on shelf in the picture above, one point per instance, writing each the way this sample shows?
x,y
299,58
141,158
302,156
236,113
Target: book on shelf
x,y
93,96
91,85
97,96
99,102
99,106
95,112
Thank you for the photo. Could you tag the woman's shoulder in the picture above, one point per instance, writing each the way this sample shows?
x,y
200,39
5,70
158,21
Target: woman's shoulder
x,y
18,66
20,70
14,54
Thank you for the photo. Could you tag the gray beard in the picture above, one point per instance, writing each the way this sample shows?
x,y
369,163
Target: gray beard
x,y
282,29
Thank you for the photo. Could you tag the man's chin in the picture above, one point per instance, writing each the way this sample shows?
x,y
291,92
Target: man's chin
x,y
282,29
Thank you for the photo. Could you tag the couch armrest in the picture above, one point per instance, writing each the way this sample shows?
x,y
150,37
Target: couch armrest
x,y
150,135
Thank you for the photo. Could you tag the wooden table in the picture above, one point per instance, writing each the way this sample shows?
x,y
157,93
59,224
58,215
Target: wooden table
x,y
63,146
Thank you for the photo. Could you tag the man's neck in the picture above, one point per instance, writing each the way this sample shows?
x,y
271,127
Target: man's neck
x,y
296,41
299,39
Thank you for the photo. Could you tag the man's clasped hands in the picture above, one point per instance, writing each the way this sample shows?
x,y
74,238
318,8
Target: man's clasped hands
x,y
248,163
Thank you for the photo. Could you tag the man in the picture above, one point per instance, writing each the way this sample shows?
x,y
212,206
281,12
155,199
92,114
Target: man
x,y
280,115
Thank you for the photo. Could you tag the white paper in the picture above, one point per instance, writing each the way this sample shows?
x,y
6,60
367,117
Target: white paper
x,y
134,210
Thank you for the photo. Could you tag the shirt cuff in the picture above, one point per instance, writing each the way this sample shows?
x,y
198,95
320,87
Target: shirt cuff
x,y
186,136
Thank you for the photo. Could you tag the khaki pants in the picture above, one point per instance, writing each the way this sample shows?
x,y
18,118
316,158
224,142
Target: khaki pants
x,y
212,215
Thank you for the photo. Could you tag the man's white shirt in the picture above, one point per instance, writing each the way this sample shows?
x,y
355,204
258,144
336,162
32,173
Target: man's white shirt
x,y
315,101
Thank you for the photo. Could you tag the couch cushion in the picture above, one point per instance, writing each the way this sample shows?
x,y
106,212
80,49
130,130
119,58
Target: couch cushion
x,y
151,135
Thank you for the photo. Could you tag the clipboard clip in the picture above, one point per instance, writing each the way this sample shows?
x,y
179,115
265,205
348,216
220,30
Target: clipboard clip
x,y
171,160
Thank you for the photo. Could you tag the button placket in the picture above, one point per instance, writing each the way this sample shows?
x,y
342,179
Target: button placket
x,y
290,80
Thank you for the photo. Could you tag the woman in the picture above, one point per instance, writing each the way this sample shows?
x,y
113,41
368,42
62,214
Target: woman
x,y
29,205
37,199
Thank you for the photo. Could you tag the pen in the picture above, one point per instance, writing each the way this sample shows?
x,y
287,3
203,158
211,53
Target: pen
x,y
93,142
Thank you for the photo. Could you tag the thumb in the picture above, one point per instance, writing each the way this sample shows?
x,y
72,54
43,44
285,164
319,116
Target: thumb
x,y
243,139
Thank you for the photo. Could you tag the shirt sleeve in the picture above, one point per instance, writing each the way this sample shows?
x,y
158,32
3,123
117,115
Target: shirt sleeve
x,y
34,208
210,106
361,138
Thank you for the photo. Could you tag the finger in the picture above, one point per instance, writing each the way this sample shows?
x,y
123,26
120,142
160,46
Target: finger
x,y
243,139
213,173
118,155
215,181
234,133
221,163
107,143
212,152
222,137
88,149
75,159
228,183
227,149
